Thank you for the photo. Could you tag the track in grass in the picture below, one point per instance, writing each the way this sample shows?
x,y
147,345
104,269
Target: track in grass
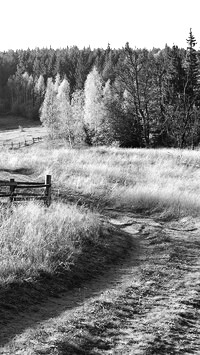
x,y
147,305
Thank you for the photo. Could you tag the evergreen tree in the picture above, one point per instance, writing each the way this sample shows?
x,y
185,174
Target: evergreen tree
x,y
152,98
192,89
135,74
192,69
21,92
182,97
125,130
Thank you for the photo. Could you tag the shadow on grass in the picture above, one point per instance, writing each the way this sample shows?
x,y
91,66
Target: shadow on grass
x,y
71,196
20,171
71,349
10,122
27,302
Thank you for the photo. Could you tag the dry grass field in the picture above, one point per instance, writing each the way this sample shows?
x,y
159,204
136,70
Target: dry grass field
x,y
18,129
107,203
154,180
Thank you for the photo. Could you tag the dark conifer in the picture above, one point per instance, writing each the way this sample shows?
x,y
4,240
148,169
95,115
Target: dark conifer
x,y
192,70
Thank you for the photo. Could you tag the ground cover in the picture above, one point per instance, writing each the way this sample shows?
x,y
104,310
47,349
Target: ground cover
x,y
141,179
148,304
18,129
75,240
45,251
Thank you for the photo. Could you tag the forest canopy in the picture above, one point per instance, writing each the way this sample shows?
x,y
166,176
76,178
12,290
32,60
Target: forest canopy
x,y
129,97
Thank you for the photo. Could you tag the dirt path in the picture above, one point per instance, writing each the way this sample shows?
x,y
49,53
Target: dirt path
x,y
149,304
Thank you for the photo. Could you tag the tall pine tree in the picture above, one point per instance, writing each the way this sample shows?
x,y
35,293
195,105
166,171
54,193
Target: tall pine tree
x,y
192,70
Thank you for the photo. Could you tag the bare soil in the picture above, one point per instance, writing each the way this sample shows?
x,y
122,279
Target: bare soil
x,y
148,303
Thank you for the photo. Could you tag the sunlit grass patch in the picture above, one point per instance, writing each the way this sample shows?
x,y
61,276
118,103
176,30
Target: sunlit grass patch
x,y
136,178
35,239
45,251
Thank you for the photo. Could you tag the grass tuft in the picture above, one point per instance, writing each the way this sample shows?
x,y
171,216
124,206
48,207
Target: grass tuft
x,y
35,239
45,251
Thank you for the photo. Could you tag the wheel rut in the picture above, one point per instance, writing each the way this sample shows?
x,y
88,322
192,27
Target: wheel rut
x,y
75,298
133,308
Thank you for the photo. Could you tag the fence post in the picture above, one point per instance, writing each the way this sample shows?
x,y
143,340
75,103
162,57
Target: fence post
x,y
48,190
12,189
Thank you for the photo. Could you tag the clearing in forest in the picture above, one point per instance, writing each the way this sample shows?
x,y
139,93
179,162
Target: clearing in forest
x,y
18,129
115,259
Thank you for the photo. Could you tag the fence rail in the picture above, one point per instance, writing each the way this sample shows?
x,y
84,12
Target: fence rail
x,y
14,192
18,145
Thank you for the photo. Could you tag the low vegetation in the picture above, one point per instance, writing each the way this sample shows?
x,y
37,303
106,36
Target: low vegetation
x,y
35,239
45,251
164,180
18,130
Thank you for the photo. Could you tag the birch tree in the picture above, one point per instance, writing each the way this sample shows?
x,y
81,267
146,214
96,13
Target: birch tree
x,y
65,116
77,106
94,108
49,110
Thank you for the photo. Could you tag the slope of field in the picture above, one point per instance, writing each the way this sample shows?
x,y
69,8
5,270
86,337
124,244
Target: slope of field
x,y
18,129
149,201
148,304
164,180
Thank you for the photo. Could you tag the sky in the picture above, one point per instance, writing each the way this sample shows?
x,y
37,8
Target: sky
x,y
95,23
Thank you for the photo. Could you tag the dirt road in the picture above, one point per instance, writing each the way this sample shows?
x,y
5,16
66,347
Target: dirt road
x,y
147,304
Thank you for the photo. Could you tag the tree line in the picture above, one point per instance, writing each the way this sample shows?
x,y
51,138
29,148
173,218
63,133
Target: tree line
x,y
127,97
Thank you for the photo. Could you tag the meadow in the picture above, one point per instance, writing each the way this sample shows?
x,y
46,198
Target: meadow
x,y
16,129
46,251
161,182
35,239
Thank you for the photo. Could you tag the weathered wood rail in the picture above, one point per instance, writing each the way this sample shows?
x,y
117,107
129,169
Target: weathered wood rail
x,y
22,190
18,145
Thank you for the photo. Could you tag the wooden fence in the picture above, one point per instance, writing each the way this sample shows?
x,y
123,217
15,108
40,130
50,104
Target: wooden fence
x,y
22,191
18,145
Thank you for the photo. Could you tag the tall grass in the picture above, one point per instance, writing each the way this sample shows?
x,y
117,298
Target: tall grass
x,y
35,239
151,179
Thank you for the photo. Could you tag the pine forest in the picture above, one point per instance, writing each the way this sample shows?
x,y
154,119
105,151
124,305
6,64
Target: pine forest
x,y
120,97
